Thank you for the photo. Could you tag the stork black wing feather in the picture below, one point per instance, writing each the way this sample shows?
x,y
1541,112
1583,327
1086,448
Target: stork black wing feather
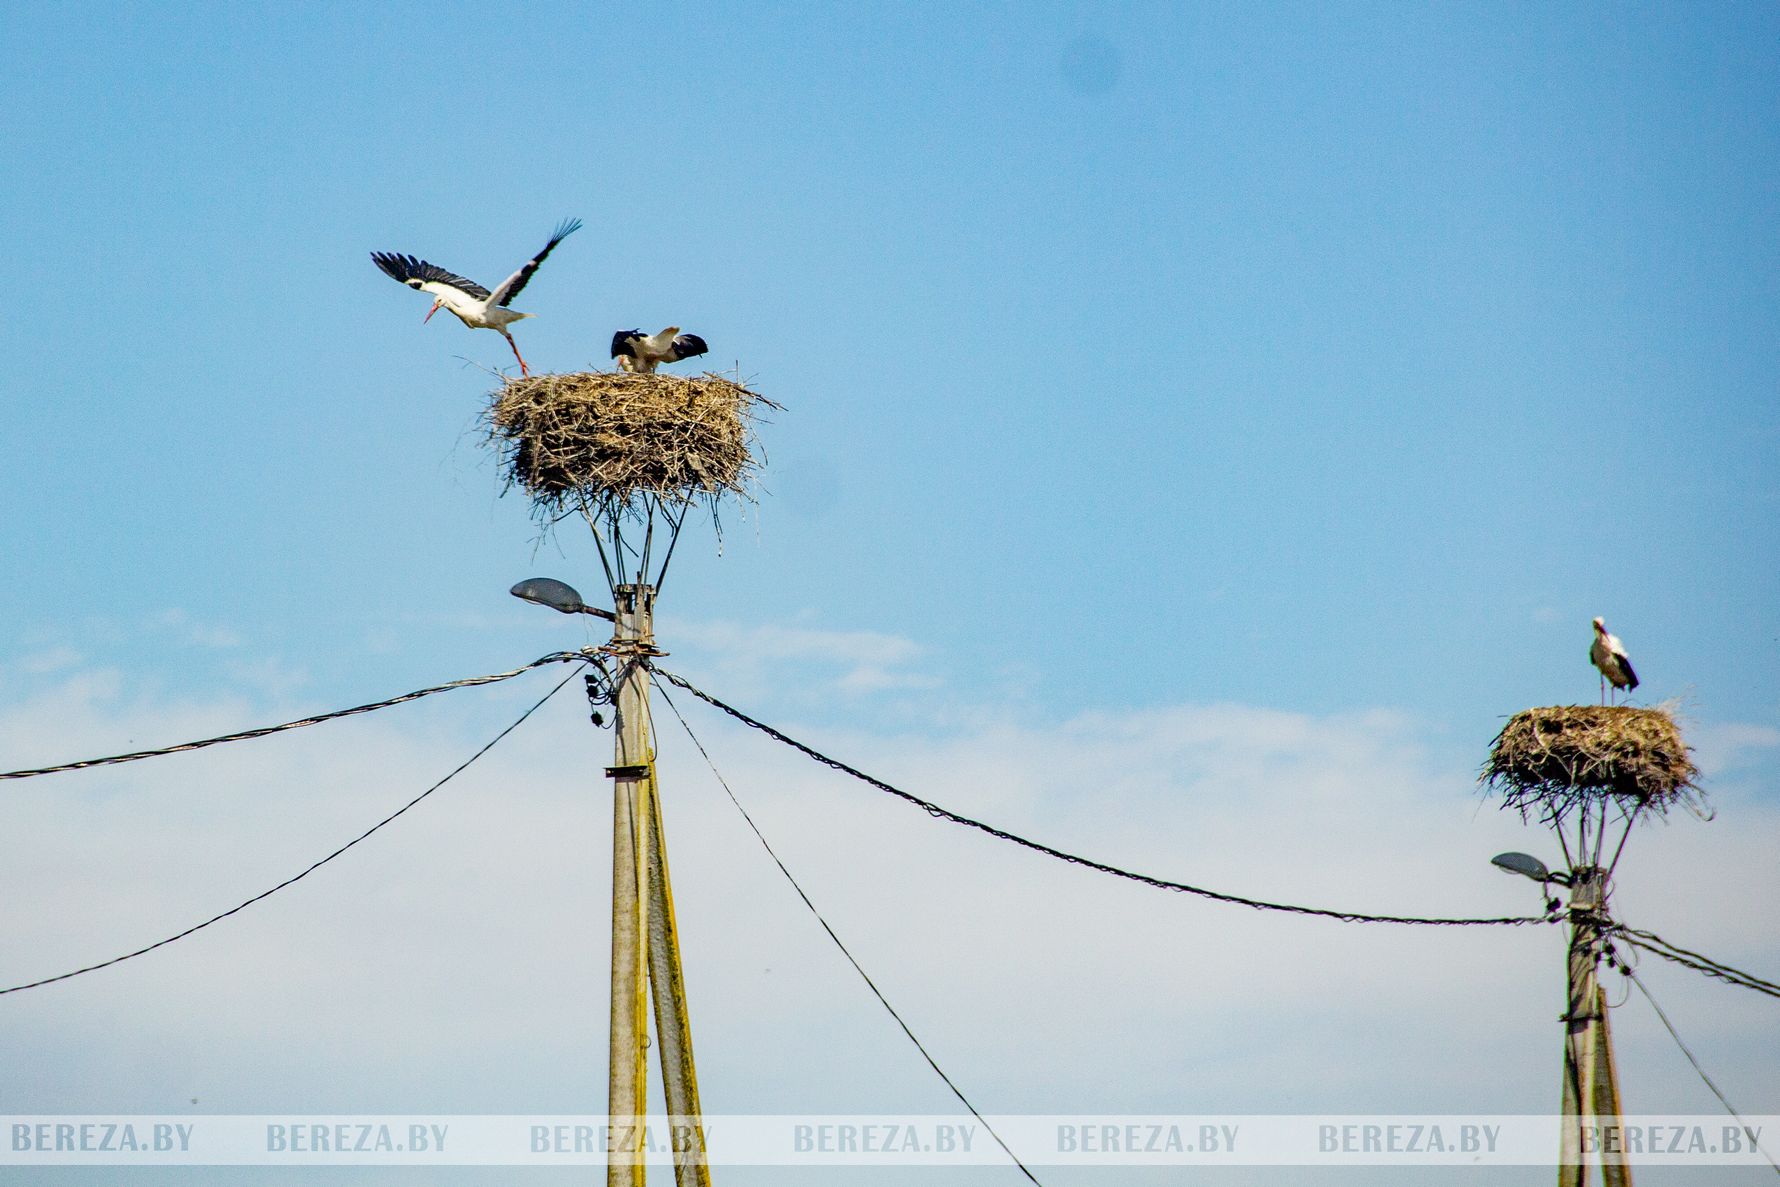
x,y
687,346
563,230
623,343
1631,677
414,273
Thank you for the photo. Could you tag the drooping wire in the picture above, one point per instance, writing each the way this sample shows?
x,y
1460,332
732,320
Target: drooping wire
x,y
556,657
946,814
1662,1017
1651,942
865,976
310,869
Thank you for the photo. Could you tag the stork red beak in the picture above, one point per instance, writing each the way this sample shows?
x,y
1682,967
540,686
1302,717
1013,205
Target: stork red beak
x,y
429,313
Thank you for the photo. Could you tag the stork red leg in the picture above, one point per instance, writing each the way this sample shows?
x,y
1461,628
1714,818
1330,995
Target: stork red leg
x,y
523,369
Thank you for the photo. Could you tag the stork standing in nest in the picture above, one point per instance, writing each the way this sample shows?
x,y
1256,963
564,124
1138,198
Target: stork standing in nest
x,y
1607,654
641,353
472,304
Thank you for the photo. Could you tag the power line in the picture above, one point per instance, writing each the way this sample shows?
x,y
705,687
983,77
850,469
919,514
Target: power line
x,y
1674,1034
1650,942
938,812
869,983
311,868
556,657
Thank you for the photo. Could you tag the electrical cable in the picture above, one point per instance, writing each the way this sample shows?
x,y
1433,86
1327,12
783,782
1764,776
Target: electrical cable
x,y
1650,942
555,657
1674,1034
869,983
938,812
310,869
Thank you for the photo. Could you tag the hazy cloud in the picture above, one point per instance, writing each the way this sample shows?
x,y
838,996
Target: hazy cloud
x,y
456,960
746,659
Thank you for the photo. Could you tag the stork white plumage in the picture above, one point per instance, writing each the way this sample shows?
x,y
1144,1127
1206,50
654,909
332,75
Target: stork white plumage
x,y
472,304
641,353
1608,655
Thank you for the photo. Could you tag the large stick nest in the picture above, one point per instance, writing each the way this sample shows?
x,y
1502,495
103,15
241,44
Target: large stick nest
x,y
603,442
1554,759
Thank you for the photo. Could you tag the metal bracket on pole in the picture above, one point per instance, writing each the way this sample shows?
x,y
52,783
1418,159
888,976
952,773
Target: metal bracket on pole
x,y
624,648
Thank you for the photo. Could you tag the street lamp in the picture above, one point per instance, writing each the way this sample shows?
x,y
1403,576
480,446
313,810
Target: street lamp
x,y
1528,866
558,595
561,596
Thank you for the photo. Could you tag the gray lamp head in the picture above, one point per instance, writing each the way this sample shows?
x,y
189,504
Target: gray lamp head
x,y
1523,864
548,591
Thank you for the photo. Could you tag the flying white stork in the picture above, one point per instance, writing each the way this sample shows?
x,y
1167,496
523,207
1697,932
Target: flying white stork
x,y
474,305
640,353
1608,655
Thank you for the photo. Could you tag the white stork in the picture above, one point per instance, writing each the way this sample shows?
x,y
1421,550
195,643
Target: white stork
x,y
474,305
1607,653
641,353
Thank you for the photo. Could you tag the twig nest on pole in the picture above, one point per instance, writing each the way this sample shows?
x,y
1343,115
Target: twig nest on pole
x,y
600,441
1553,759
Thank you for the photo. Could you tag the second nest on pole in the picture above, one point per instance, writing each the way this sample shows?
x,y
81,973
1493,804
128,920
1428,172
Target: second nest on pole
x,y
604,442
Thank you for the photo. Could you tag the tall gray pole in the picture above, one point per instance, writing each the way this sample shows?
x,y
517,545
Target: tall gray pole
x,y
1591,1082
645,938
1580,1000
632,773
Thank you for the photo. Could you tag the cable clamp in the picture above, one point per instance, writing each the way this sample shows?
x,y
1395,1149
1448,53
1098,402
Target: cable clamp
x,y
632,647
635,770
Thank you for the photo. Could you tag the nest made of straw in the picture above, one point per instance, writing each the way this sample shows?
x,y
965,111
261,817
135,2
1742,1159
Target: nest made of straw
x,y
600,440
1553,759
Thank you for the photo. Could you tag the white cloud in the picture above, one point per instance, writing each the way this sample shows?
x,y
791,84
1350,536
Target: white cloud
x,y
1726,746
268,675
181,627
455,961
54,659
779,643
748,659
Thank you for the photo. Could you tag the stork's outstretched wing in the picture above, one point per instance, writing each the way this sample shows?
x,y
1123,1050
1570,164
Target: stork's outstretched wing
x,y
624,343
686,346
511,286
414,273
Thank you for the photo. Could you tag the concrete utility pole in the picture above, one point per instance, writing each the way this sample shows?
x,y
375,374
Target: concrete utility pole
x,y
645,943
1591,1081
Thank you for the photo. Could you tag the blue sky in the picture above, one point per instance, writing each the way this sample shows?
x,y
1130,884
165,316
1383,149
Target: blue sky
x,y
1312,364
